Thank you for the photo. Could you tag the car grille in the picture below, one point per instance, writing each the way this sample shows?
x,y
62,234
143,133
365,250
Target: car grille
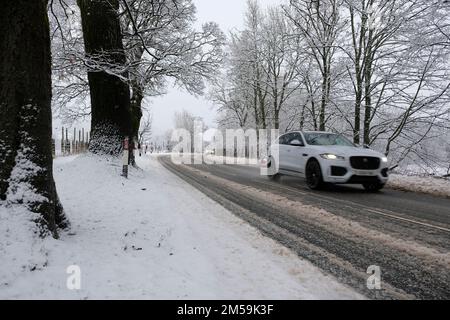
x,y
365,163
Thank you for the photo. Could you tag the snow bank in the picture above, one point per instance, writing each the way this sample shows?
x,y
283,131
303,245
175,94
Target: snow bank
x,y
428,185
149,237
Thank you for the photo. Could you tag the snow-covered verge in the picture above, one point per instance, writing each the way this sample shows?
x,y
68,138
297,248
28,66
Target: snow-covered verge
x,y
149,237
429,185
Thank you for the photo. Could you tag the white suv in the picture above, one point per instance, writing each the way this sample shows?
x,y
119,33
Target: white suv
x,y
324,157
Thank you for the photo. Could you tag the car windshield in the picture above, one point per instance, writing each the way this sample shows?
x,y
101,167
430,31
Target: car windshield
x,y
327,139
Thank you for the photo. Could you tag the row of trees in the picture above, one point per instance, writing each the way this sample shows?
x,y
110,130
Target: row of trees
x,y
117,52
375,70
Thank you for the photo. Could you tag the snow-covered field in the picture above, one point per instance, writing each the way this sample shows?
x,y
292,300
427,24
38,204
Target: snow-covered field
x,y
149,237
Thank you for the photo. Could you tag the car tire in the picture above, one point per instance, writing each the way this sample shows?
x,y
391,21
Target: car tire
x,y
373,186
313,173
272,166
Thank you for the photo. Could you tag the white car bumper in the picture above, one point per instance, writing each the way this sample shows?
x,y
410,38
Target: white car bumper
x,y
343,172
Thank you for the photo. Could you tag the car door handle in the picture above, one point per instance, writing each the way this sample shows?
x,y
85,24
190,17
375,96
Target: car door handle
x,y
305,155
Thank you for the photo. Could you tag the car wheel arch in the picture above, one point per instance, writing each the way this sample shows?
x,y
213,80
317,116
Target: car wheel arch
x,y
312,159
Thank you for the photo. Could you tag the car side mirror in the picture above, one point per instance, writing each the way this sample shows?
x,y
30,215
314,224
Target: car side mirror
x,y
297,143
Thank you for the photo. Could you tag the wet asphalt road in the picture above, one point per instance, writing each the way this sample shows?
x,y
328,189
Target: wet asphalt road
x,y
406,234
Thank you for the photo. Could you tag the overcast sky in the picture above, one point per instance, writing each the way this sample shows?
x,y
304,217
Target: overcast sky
x,y
229,14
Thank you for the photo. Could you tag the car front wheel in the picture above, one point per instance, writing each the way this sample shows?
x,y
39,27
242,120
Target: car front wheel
x,y
373,186
314,178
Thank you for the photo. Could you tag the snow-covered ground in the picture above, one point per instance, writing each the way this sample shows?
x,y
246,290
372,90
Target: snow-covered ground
x,y
149,237
429,185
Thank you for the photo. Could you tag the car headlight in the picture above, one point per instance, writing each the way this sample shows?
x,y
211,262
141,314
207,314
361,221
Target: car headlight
x,y
384,159
330,156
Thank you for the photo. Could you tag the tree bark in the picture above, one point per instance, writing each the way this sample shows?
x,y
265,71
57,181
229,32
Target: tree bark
x,y
110,96
324,98
136,116
357,121
368,96
26,163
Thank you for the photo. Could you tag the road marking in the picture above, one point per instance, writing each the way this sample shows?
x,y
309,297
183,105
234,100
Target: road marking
x,y
408,220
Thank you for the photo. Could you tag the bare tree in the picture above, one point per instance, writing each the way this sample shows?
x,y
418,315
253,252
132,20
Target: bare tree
x,y
233,101
70,81
282,55
145,129
374,69
319,23
162,43
397,76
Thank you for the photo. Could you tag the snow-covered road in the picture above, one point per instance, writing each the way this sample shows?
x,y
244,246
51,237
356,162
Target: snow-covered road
x,y
343,230
152,236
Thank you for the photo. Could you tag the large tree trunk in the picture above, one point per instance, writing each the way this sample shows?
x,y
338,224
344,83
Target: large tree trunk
x,y
357,121
276,107
26,164
367,112
255,110
136,116
368,97
110,96
324,98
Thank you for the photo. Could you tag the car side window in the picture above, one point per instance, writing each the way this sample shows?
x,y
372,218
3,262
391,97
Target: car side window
x,y
283,139
297,136
289,138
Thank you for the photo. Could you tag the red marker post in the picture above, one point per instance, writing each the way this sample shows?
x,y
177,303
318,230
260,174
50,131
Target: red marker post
x,y
126,156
